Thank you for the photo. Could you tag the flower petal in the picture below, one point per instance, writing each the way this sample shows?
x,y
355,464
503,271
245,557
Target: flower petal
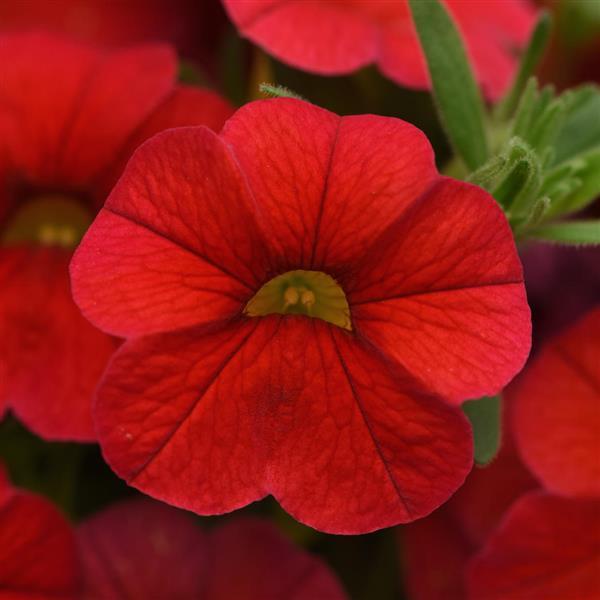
x,y
142,549
176,416
50,357
253,561
33,62
327,185
340,37
557,411
119,95
316,36
176,243
442,293
37,550
184,106
372,450
95,100
211,420
547,547
401,58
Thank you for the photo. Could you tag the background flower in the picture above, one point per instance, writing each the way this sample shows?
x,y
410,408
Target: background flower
x,y
60,153
338,37
195,28
143,549
38,557
557,411
547,547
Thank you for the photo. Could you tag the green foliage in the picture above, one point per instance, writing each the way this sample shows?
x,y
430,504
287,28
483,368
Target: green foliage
x,y
547,160
581,130
485,416
458,99
545,155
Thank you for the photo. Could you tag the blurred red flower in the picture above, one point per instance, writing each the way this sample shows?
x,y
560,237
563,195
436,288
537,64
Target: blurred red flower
x,y
143,549
340,36
194,27
218,400
557,411
546,547
38,557
70,116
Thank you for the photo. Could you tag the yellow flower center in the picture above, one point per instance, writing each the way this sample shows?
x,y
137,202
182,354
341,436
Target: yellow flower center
x,y
311,293
51,220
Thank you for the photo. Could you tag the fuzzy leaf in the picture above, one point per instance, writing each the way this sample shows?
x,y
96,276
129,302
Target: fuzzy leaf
x,y
581,129
581,185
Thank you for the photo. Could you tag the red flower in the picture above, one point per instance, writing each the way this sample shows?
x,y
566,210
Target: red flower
x,y
213,252
70,116
547,547
334,38
557,411
38,557
142,549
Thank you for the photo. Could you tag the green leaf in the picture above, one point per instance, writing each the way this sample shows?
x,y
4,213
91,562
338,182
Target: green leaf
x,y
570,233
457,96
527,103
485,415
529,61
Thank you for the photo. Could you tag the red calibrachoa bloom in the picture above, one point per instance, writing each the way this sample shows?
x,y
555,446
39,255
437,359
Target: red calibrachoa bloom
x,y
70,116
295,291
547,547
557,411
143,549
336,37
38,557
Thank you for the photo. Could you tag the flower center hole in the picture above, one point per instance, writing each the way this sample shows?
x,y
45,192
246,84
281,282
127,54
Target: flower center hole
x,y
311,293
48,220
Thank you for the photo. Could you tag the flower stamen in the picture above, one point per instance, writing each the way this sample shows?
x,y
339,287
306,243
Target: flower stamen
x,y
311,293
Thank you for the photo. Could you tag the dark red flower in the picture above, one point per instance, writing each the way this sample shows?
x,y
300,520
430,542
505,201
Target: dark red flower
x,y
547,547
38,557
213,252
143,549
194,27
557,411
334,38
70,116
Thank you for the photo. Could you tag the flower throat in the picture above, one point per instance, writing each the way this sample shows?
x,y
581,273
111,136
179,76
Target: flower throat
x,y
311,293
47,220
